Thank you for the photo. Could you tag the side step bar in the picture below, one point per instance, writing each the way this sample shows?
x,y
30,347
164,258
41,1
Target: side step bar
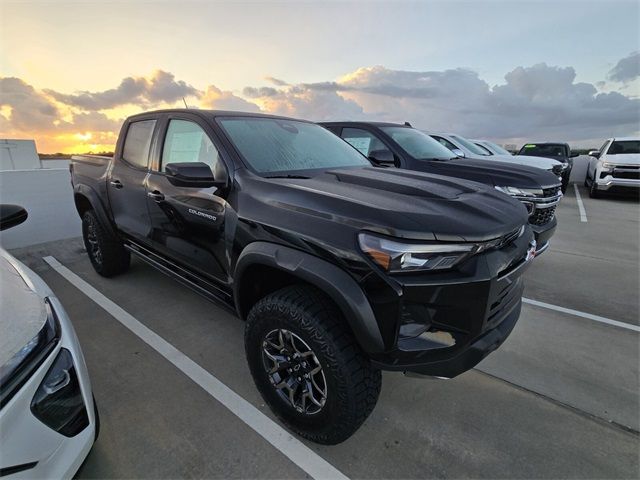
x,y
197,284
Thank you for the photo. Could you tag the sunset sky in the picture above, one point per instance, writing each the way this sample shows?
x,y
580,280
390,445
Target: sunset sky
x,y
507,71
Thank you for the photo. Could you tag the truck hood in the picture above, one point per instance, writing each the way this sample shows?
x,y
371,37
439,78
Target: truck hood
x,y
631,159
538,162
401,203
493,173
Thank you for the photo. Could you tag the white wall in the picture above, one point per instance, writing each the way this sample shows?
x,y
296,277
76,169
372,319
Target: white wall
x,y
18,155
48,198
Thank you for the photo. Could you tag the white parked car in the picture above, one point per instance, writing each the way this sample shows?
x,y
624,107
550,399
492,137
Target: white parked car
x,y
48,418
615,167
463,147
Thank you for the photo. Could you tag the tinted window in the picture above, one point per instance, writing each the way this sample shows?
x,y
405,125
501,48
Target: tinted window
x,y
362,140
277,145
544,150
416,143
137,142
187,142
624,147
483,148
497,148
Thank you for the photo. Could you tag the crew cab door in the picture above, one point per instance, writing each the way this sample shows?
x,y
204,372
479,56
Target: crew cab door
x,y
189,223
127,178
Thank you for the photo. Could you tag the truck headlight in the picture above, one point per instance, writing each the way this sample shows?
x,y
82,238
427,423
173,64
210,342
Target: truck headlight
x,y
607,166
397,256
519,192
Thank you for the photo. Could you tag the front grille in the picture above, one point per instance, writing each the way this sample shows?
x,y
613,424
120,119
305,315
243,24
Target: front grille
x,y
542,216
551,191
626,174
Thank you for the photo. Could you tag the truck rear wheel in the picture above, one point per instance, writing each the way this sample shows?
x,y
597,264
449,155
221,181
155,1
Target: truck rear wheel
x,y
107,253
307,365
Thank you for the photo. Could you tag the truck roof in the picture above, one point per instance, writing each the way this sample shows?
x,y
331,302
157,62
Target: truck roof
x,y
213,113
364,122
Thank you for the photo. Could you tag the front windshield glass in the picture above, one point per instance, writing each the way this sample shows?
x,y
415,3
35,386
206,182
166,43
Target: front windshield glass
x,y
497,148
543,150
416,143
622,147
472,147
279,145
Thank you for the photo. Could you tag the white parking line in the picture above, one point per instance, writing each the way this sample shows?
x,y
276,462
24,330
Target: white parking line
x,y
305,458
583,213
578,313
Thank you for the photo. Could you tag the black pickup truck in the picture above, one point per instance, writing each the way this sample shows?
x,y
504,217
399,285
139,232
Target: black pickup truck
x,y
556,151
340,269
392,144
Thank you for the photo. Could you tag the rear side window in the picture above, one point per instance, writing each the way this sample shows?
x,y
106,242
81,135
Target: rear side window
x,y
187,142
137,143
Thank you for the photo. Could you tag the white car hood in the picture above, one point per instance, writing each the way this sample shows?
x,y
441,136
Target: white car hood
x,y
23,308
623,159
539,162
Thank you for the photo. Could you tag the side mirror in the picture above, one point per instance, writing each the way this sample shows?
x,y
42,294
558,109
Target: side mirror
x,y
574,154
458,153
192,174
383,158
11,215
594,153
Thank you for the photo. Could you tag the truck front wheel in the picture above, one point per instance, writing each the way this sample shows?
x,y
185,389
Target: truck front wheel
x,y
107,254
307,365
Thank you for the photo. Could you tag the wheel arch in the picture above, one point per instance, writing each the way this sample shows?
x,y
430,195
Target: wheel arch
x,y
85,198
276,266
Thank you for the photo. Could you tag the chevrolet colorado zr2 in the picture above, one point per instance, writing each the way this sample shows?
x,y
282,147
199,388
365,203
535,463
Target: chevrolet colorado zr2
x,y
340,269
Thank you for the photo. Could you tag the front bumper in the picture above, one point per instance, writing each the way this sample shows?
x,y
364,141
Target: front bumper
x,y
609,182
543,234
445,326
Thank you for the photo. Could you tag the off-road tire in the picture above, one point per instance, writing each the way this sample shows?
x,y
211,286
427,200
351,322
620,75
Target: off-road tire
x,y
353,384
106,252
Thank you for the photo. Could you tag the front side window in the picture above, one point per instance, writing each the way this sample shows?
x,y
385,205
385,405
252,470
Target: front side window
x,y
187,142
416,143
137,143
362,140
278,145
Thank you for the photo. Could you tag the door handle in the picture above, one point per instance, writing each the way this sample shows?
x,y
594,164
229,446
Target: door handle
x,y
156,196
116,184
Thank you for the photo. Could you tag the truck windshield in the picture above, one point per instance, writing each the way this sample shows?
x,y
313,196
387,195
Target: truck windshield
x,y
278,145
544,150
497,148
621,147
472,147
416,143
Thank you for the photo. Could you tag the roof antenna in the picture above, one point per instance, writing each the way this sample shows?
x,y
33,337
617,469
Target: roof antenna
x,y
185,103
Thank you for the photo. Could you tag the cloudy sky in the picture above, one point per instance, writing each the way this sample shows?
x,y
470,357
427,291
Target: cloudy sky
x,y
510,71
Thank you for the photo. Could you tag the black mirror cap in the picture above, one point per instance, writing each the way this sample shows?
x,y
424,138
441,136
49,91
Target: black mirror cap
x,y
382,157
11,215
192,174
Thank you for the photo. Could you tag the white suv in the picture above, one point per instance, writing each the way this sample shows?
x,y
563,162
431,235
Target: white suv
x,y
616,166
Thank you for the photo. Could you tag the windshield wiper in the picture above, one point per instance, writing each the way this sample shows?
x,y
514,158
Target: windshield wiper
x,y
288,176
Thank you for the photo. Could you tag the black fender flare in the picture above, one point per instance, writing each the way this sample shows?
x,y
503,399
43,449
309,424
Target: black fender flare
x,y
332,280
96,204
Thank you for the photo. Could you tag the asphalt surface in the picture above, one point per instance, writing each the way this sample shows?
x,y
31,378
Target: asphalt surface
x,y
560,398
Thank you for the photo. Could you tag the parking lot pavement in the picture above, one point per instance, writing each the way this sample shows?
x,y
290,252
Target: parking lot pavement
x,y
158,423
592,266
